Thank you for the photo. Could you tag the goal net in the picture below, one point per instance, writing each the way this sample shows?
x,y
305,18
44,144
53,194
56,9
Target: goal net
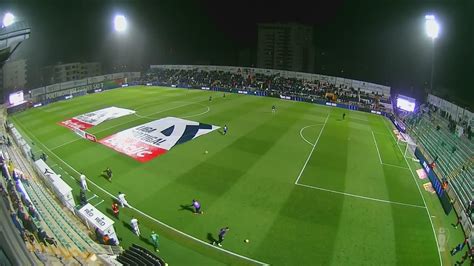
x,y
408,145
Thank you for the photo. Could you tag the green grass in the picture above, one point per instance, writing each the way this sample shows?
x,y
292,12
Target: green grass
x,y
247,180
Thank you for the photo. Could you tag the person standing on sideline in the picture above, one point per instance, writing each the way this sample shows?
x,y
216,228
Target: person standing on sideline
x,y
222,233
343,116
115,210
83,182
122,200
459,247
155,240
134,224
197,207
457,223
225,129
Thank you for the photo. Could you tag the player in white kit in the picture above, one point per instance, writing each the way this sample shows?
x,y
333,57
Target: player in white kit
x,y
134,224
84,182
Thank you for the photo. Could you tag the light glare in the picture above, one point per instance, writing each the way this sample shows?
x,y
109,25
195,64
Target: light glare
x,y
8,19
431,26
120,23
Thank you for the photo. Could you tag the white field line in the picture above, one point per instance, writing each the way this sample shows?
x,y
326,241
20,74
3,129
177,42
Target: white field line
x,y
377,147
397,166
66,143
95,205
419,190
139,117
93,197
301,133
205,112
362,197
137,210
312,150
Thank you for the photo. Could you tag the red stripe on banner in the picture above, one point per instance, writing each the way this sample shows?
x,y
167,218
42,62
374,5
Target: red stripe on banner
x,y
132,147
74,123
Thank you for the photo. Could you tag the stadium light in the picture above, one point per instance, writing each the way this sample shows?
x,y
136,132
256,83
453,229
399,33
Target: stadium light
x,y
432,30
120,23
431,26
8,19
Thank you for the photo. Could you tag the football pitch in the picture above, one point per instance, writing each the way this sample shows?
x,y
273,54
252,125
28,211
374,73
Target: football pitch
x,y
304,185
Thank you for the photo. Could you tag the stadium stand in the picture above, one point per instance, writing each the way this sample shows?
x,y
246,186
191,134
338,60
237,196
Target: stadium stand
x,y
48,229
452,155
274,84
137,255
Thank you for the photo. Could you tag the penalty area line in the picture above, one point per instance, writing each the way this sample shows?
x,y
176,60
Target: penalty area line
x,y
301,133
362,197
377,147
312,150
137,210
397,166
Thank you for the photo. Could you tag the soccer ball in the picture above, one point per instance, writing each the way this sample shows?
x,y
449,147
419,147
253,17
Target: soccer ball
x,y
246,240
206,152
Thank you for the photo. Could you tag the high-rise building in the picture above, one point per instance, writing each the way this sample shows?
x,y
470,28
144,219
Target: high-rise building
x,y
285,46
68,72
14,74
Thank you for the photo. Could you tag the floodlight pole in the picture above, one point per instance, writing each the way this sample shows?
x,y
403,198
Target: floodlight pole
x,y
432,64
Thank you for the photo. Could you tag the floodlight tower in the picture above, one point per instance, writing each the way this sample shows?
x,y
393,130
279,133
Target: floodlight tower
x,y
432,30
13,32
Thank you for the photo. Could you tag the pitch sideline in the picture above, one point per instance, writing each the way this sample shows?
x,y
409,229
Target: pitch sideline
x,y
419,190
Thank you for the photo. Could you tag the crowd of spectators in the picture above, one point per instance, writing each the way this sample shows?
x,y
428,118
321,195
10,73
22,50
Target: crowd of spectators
x,y
273,85
22,212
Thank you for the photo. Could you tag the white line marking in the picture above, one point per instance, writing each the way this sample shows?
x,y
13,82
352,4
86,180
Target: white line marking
x,y
205,112
301,133
378,133
148,115
312,150
95,196
66,143
137,210
377,147
397,166
419,190
362,197
95,205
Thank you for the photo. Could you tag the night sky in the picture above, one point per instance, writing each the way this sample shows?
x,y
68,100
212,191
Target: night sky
x,y
378,41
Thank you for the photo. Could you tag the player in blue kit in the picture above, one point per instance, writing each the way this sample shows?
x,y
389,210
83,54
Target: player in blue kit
x,y
197,207
222,233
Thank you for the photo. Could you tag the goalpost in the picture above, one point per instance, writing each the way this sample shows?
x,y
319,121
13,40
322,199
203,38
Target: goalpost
x,y
410,146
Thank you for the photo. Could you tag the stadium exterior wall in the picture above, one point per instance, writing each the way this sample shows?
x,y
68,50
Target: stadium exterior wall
x,y
364,86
